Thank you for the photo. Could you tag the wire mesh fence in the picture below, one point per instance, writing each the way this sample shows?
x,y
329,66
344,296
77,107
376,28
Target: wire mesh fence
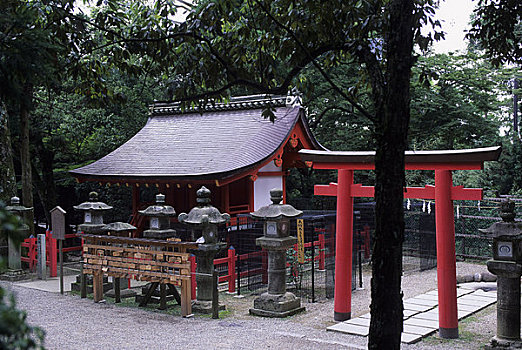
x,y
312,278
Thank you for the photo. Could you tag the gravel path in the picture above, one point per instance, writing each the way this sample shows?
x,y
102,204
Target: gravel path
x,y
74,323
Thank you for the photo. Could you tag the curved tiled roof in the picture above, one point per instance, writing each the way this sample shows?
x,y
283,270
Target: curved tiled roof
x,y
215,144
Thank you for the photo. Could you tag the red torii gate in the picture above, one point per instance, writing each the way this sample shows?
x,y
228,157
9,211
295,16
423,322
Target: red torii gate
x,y
444,193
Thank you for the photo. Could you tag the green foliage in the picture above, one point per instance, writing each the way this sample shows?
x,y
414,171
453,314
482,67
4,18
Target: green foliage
x,y
497,29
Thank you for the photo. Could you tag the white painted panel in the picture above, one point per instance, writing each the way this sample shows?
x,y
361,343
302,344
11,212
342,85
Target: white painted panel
x,y
262,187
270,167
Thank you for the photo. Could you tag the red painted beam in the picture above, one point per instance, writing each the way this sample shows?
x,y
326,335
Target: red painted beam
x,y
408,166
427,192
326,190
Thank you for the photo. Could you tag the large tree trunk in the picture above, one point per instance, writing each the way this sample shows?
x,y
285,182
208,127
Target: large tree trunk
x,y
44,184
391,133
7,173
25,156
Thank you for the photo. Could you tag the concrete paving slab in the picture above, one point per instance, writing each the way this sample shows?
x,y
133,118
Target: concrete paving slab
x,y
359,321
490,294
409,313
433,297
466,307
50,285
367,315
349,329
417,330
416,307
462,291
424,302
432,292
430,316
409,338
414,321
477,298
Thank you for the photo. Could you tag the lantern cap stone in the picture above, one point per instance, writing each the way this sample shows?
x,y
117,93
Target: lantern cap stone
x,y
204,213
508,226
276,210
92,204
15,206
118,226
159,209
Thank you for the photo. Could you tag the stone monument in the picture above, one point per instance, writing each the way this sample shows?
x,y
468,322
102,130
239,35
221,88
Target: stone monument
x,y
507,265
14,253
276,302
93,214
206,218
159,219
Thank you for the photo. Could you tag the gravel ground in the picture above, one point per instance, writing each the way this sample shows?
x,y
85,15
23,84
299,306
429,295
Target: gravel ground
x,y
74,323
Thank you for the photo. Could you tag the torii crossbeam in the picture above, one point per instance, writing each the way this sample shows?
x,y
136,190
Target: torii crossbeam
x,y
444,193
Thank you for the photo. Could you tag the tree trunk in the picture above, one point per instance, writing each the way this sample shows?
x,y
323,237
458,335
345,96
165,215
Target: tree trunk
x,y
7,173
391,134
25,157
44,184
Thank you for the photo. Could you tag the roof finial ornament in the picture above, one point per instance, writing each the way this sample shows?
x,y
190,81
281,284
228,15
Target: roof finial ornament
x,y
294,98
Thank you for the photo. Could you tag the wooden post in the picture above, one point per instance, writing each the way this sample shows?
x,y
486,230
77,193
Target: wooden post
x,y
192,260
58,233
186,304
97,285
215,296
117,291
163,297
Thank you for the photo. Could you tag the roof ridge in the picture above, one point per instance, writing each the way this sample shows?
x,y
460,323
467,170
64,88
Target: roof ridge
x,y
235,103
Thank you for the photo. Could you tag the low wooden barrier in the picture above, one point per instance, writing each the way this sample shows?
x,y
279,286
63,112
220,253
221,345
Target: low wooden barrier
x,y
160,262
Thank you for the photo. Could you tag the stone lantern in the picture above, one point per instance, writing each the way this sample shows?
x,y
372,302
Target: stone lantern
x,y
277,302
206,218
159,219
507,265
93,214
14,260
119,229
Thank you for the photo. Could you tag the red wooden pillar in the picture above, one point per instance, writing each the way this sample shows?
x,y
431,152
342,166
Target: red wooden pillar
x,y
446,264
343,247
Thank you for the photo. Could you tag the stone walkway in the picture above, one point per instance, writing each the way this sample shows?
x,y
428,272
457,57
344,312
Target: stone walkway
x,y
421,314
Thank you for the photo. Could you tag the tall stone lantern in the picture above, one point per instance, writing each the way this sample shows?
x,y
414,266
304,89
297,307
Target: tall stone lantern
x,y
276,302
507,265
14,259
93,214
206,218
159,219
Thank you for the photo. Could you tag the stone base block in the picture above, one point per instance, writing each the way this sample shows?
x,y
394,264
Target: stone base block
x,y
13,275
205,307
270,305
124,293
496,343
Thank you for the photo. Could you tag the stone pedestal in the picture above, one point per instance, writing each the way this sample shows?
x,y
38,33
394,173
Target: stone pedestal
x,y
205,255
276,302
14,261
508,304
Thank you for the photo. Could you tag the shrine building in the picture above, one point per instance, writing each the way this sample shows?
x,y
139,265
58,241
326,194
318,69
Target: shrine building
x,y
230,148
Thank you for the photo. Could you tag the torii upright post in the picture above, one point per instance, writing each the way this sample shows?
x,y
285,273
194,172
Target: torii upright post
x,y
446,264
343,243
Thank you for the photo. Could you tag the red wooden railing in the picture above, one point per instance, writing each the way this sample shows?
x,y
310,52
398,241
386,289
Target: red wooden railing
x,y
51,251
231,258
32,253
